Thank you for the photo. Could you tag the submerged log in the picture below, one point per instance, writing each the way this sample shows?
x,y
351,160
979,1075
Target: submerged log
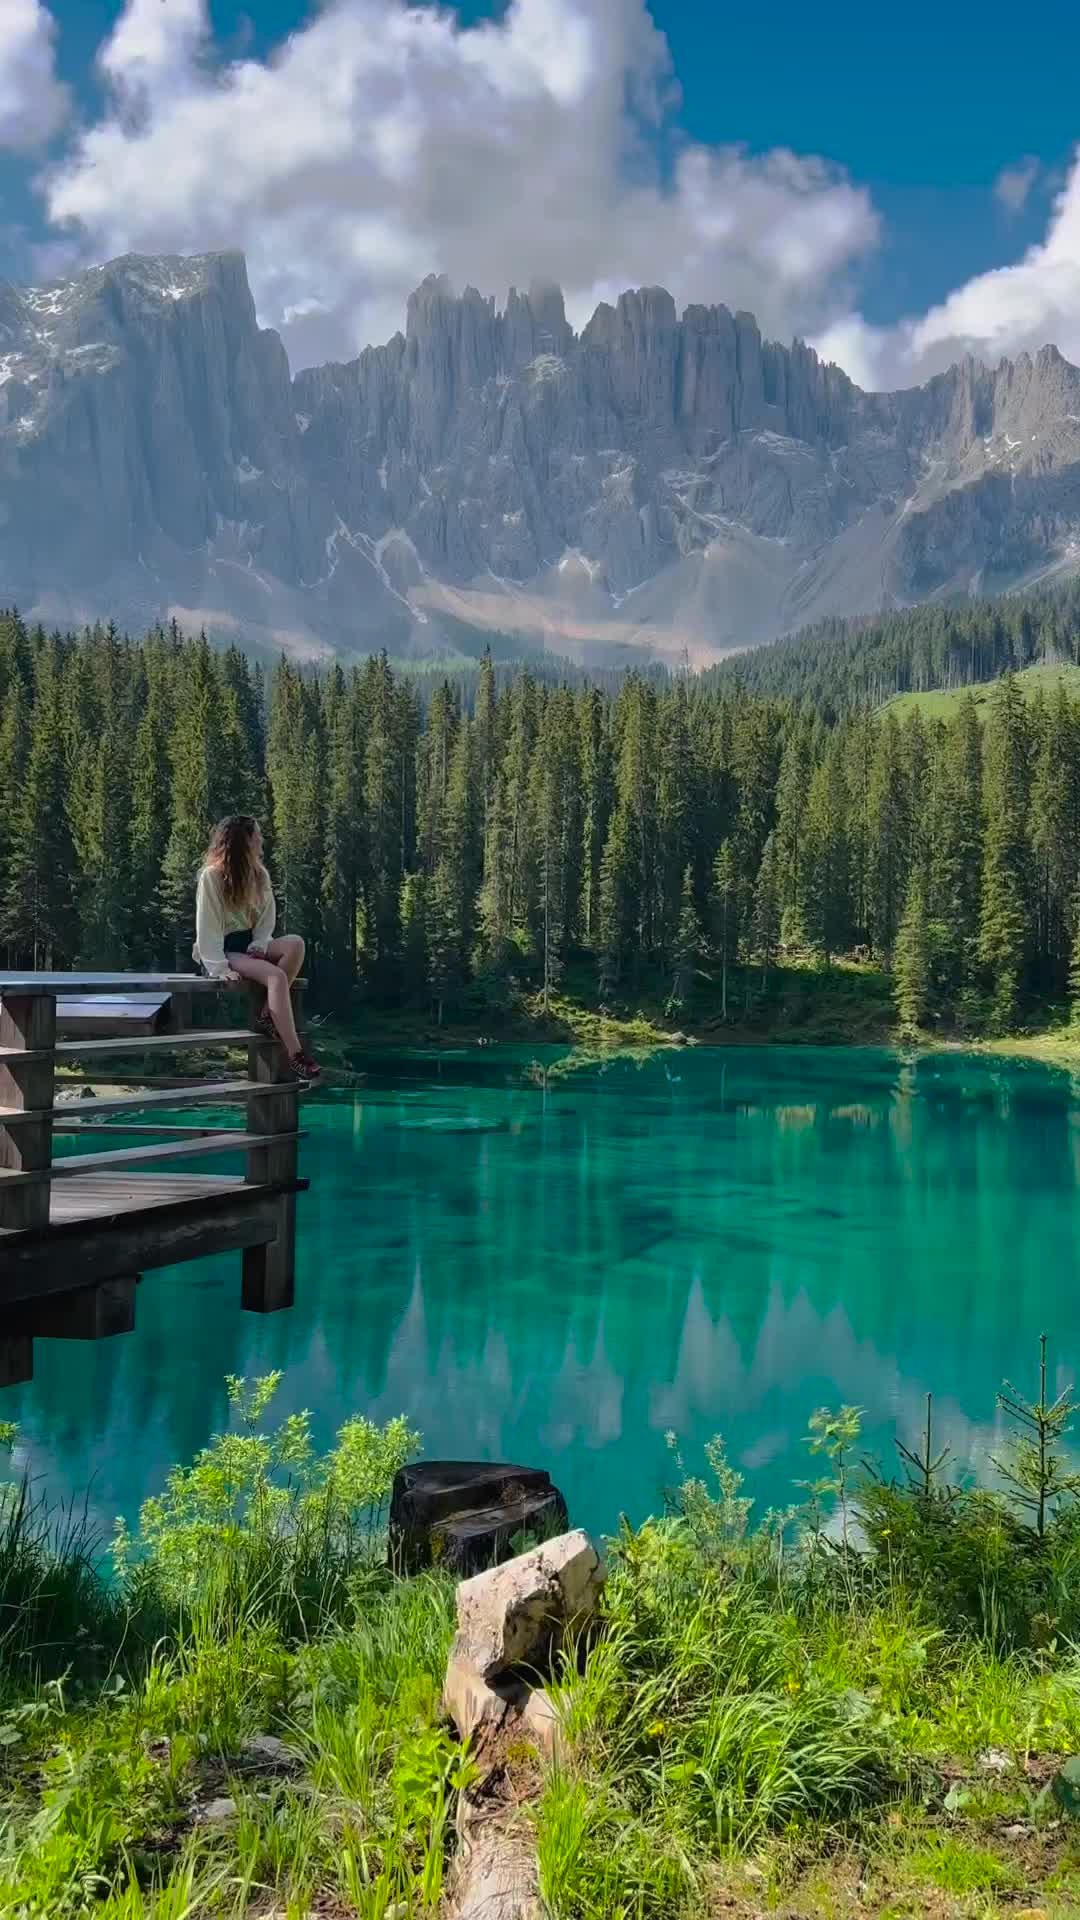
x,y
466,1515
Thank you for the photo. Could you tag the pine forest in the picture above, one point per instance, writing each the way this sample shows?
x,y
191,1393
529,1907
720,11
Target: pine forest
x,y
437,839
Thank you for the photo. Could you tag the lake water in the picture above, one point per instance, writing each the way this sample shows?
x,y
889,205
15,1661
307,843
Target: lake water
x,y
557,1266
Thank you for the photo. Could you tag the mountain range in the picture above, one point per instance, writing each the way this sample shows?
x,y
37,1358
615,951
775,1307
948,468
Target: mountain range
x,y
658,485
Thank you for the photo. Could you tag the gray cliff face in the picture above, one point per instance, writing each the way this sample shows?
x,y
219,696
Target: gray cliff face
x,y
657,483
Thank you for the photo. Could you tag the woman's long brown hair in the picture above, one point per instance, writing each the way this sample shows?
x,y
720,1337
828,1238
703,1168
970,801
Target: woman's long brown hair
x,y
231,854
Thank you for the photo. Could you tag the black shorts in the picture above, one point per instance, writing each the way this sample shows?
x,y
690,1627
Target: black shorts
x,y
239,942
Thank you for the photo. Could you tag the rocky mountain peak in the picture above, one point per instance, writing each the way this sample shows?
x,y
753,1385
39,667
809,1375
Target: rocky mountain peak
x,y
661,480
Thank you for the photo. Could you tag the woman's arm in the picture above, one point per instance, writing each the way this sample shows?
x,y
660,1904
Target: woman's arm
x,y
264,925
210,928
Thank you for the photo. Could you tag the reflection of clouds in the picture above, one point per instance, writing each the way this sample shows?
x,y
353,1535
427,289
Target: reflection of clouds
x,y
718,1253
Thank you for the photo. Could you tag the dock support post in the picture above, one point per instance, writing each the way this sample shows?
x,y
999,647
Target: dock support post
x,y
27,1025
88,1313
16,1359
269,1272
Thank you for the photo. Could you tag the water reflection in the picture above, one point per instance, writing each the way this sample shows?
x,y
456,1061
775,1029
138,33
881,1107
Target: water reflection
x,y
560,1265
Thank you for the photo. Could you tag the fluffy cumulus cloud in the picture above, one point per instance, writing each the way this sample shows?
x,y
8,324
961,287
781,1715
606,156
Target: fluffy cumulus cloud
x,y
1010,310
380,143
32,101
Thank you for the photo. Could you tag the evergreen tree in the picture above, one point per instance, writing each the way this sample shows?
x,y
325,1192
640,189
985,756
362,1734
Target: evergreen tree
x,y
385,804
296,764
687,947
342,833
196,792
1055,838
793,784
889,837
766,909
911,965
414,935
725,915
955,829
827,914
1003,930
38,915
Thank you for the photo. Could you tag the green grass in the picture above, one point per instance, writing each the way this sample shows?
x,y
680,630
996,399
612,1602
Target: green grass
x,y
944,704
246,1719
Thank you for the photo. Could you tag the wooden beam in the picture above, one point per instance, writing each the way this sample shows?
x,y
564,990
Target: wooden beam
x,y
81,984
97,1312
205,1037
27,1028
42,1264
126,1128
208,1093
269,1271
25,984
74,1165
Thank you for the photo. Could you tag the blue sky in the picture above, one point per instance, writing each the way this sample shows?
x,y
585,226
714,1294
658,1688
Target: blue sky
x,y
931,150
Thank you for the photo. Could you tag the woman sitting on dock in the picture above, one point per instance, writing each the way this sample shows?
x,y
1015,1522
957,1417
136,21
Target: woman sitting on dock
x,y
235,912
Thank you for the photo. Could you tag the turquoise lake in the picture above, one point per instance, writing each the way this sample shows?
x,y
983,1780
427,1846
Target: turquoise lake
x,y
556,1266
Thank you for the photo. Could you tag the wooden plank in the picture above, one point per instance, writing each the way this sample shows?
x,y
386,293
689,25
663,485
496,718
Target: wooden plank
x,y
76,1165
25,984
207,1037
209,1093
83,983
104,1195
128,1129
27,1026
35,1265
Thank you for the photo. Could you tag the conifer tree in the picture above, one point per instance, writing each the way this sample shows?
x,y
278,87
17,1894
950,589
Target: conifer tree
x,y
1055,837
911,963
890,838
595,761
1003,929
38,915
686,952
725,915
196,792
414,935
766,909
827,916
151,820
384,802
342,831
296,764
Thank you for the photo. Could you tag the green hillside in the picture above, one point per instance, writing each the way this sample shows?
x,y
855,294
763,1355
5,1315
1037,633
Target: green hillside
x,y
943,704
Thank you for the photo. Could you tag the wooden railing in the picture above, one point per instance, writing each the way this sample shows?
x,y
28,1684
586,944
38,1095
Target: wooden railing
x,y
31,1118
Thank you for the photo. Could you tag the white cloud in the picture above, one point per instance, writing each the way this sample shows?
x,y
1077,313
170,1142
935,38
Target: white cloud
x,y
1010,310
32,101
380,143
1012,188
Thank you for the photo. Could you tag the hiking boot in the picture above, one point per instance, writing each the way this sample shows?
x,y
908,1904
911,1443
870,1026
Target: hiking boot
x,y
304,1067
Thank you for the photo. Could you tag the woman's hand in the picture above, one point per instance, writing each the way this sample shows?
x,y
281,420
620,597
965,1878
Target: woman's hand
x,y
257,953
230,978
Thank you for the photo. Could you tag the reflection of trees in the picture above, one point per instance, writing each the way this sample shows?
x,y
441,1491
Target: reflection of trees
x,y
702,1241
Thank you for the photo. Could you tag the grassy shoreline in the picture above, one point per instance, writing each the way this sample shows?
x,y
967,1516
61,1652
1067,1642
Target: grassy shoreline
x,y
843,1004
866,1704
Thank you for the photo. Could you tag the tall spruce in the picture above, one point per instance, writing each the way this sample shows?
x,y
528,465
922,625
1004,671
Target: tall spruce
x,y
1003,927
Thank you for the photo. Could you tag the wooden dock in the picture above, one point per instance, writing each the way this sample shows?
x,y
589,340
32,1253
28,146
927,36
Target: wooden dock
x,y
78,1230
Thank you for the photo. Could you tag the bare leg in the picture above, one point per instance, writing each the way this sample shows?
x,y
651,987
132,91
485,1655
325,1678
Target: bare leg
x,y
276,982
287,952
